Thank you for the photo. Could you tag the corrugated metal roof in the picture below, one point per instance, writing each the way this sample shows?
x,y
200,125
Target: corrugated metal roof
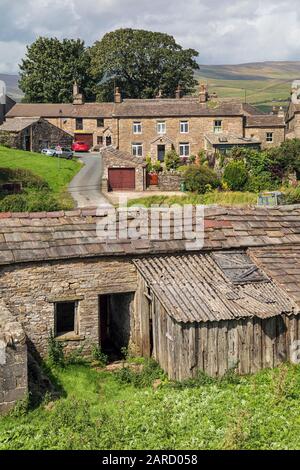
x,y
193,288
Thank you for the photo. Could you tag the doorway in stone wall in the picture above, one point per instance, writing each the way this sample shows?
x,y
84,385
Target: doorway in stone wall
x,y
115,318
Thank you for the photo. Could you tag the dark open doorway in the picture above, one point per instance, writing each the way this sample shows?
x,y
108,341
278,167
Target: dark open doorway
x,y
161,150
115,313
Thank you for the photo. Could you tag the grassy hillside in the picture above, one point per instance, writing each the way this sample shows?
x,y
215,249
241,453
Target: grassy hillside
x,y
55,172
265,84
98,411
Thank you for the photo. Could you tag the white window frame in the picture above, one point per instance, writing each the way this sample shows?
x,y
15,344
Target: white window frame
x,y
184,127
161,127
137,127
135,149
218,128
184,145
270,137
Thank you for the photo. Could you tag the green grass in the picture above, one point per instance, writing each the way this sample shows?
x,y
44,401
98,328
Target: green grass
x,y
55,171
214,197
254,412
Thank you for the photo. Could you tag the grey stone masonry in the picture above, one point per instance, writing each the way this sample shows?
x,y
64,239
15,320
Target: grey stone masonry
x,y
13,360
170,181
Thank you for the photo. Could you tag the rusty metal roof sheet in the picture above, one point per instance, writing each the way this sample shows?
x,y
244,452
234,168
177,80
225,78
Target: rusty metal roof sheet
x,y
193,288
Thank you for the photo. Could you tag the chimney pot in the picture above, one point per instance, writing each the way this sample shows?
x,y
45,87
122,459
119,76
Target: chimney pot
x,y
77,96
118,96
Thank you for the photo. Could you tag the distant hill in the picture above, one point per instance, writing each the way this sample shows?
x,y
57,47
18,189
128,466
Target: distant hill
x,y
264,84
12,86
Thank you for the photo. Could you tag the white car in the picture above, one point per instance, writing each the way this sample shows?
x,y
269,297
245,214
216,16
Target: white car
x,y
60,152
50,152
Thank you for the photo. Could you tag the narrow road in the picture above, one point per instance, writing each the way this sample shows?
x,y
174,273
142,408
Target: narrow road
x,y
85,188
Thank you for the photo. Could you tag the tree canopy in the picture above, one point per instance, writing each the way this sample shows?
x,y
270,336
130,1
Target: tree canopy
x,y
51,66
142,63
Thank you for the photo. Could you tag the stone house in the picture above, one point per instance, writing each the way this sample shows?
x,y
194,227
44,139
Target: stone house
x,y
122,171
232,302
144,127
32,134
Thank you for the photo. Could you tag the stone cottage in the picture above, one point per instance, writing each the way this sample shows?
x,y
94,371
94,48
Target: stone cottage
x,y
32,134
144,127
231,302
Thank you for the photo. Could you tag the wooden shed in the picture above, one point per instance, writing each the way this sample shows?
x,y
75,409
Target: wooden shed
x,y
214,312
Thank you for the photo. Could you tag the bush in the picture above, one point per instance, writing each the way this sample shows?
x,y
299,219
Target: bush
x,y
172,160
55,351
14,203
99,356
144,377
236,175
200,179
261,182
32,201
292,195
26,177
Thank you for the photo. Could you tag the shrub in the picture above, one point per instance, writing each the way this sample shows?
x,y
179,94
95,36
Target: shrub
x,y
157,166
99,356
172,160
55,351
144,377
236,175
261,182
14,203
292,195
26,177
200,179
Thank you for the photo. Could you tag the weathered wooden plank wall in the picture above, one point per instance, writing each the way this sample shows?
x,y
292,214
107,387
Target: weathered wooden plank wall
x,y
215,347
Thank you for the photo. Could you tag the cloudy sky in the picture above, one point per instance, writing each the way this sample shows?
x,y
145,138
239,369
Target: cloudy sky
x,y
223,31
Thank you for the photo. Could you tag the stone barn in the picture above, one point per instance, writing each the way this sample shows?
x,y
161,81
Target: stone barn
x,y
32,134
233,304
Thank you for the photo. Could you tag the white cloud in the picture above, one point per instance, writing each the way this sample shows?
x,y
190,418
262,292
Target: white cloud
x,y
223,31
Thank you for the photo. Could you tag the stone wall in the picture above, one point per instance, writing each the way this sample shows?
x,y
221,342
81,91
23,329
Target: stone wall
x,y
9,139
261,134
13,360
31,290
198,127
169,181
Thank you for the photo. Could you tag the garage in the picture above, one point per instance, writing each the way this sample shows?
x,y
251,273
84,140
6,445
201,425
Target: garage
x,y
121,178
86,138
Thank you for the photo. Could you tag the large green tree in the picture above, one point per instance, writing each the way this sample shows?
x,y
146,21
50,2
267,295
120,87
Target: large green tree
x,y
50,68
141,63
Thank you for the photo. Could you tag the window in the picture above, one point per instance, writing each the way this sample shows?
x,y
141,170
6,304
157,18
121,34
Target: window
x,y
99,140
184,127
108,140
79,124
137,150
100,122
161,127
217,126
184,150
65,318
137,127
269,137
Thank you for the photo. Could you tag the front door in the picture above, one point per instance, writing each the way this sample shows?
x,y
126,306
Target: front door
x,y
161,150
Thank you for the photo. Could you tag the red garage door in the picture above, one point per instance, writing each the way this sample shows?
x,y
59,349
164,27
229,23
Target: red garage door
x,y
86,138
121,178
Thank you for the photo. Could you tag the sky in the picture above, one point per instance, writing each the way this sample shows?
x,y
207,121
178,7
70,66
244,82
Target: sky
x,y
222,31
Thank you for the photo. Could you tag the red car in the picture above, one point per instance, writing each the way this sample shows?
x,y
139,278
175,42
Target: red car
x,y
80,147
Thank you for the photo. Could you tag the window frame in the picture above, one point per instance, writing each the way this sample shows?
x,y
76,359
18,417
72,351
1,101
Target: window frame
x,y
184,144
79,124
135,145
100,122
137,124
268,139
181,125
218,128
75,331
161,123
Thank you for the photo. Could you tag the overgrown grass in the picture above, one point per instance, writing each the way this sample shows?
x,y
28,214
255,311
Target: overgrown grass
x,y
99,412
56,172
214,197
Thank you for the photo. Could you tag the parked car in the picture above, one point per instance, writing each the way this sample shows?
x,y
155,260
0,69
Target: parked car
x,y
80,147
61,152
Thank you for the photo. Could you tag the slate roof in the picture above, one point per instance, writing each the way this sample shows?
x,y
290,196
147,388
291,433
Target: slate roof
x,y
231,139
17,124
265,120
108,152
62,235
192,288
165,107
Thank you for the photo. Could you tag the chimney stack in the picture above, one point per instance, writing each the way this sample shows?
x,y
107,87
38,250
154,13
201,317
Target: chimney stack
x,y
281,112
77,96
203,95
178,92
118,96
